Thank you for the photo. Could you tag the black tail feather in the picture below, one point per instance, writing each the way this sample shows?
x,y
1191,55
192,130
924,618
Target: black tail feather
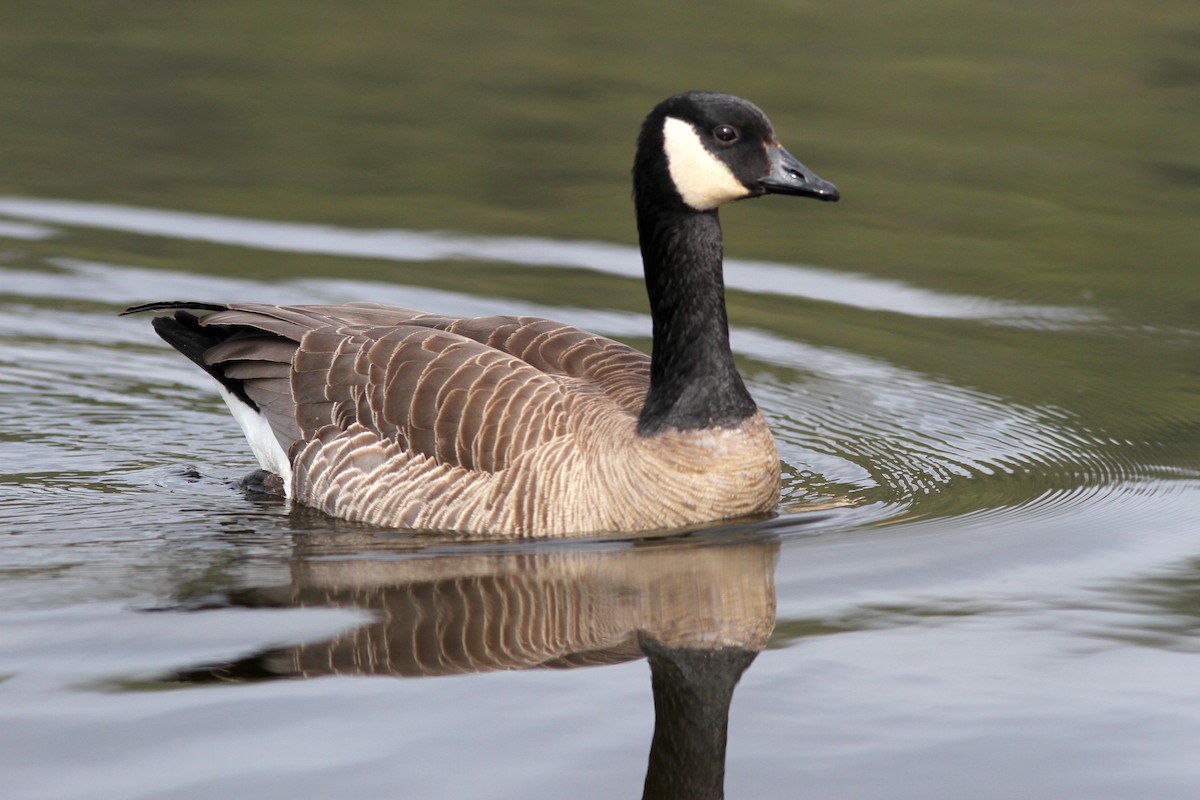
x,y
171,305
183,331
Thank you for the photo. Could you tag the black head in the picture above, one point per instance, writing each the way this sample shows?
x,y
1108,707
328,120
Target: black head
x,y
708,149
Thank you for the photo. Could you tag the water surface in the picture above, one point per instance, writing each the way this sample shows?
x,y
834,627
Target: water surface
x,y
982,369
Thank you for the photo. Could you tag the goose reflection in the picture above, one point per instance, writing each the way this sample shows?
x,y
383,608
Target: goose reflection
x,y
698,610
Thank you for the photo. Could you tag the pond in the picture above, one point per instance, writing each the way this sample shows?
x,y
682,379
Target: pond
x,y
981,367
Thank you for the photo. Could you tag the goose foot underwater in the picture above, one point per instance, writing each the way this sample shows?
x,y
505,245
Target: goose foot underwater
x,y
262,482
519,426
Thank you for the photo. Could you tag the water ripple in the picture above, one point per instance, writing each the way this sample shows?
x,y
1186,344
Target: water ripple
x,y
861,291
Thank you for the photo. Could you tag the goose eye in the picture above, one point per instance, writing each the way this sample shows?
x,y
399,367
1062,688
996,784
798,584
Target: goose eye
x,y
725,134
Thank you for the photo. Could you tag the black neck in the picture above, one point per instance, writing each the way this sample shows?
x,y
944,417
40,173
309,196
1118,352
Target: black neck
x,y
693,689
693,381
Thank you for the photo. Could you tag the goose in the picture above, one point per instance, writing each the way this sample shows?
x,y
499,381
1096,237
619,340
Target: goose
x,y
510,426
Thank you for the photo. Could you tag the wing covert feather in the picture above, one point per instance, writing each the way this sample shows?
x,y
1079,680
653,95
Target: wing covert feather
x,y
474,392
435,392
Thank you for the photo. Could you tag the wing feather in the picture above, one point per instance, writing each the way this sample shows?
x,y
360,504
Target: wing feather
x,y
472,392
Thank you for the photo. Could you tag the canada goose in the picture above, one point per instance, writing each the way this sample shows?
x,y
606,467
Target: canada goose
x,y
518,426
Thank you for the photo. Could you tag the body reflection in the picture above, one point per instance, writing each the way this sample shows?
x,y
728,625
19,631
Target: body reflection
x,y
698,611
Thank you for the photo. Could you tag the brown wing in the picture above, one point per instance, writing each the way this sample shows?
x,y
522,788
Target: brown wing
x,y
473,392
618,370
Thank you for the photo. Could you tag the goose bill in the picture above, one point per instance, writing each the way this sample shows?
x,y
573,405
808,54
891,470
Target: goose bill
x,y
789,176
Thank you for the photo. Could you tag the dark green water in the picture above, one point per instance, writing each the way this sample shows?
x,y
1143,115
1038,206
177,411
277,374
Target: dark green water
x,y
987,356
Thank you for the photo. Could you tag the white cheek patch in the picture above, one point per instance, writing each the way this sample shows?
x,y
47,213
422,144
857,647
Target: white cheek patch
x,y
702,180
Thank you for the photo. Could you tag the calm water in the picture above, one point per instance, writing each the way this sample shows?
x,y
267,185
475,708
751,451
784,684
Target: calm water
x,y
982,369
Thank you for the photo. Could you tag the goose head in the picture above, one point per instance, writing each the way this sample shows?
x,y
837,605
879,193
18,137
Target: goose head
x,y
705,149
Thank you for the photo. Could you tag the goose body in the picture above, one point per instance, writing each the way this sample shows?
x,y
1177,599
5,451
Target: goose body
x,y
521,426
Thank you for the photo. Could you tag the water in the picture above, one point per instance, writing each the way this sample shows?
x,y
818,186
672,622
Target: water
x,y
981,369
